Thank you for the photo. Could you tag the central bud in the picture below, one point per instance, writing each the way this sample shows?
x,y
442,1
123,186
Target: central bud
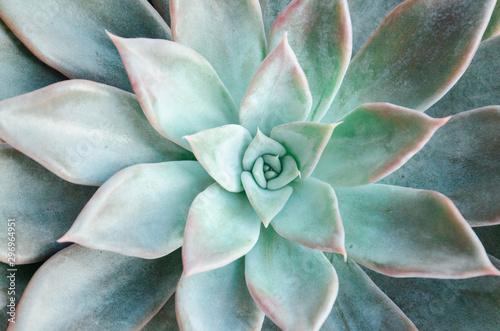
x,y
268,163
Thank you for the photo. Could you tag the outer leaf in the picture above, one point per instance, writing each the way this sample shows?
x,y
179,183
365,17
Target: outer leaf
x,y
220,151
270,10
42,205
366,16
305,142
438,304
279,92
320,34
462,162
179,91
96,290
311,217
82,131
493,28
217,300
261,145
21,71
478,87
229,34
396,64
373,141
266,203
361,305
294,285
404,232
141,211
165,319
70,36
221,227
21,278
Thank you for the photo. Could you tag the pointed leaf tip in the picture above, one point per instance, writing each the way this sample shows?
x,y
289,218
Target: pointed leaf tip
x,y
278,94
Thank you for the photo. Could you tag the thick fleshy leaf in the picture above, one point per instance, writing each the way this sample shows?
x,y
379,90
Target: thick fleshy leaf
x,y
311,217
403,232
142,210
493,28
360,304
261,145
165,319
179,91
305,142
438,304
20,70
217,300
266,203
221,227
220,151
258,172
279,92
366,16
270,10
462,162
83,131
294,285
229,34
417,54
320,34
22,275
41,205
373,141
163,8
71,37
289,172
478,87
96,291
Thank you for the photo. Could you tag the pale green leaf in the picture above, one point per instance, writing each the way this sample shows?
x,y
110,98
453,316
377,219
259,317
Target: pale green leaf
x,y
311,217
96,291
142,210
279,92
177,88
261,145
305,142
217,300
373,141
462,161
70,36
266,203
84,132
416,55
270,10
478,87
289,172
20,70
320,34
361,305
446,304
294,285
493,28
229,34
221,227
220,151
41,205
403,232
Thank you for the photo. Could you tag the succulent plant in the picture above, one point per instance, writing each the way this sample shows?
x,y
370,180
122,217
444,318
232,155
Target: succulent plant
x,y
249,175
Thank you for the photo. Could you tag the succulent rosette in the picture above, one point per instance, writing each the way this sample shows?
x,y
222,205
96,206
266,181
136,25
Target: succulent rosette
x,y
248,174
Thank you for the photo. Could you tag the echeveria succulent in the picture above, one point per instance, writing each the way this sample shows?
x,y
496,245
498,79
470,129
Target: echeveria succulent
x,y
255,164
